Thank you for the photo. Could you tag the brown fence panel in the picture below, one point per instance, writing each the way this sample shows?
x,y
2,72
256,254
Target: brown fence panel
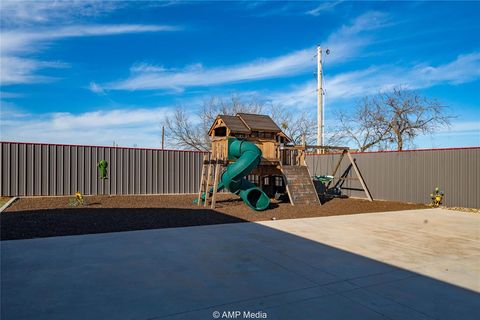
x,y
46,169
412,175
28,169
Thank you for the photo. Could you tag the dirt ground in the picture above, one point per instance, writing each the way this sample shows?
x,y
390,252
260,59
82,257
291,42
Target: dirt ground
x,y
53,216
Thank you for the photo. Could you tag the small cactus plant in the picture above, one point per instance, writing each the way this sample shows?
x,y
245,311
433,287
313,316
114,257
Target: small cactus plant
x,y
102,168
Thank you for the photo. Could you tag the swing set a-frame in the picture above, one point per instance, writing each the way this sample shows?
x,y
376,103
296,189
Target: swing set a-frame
x,y
332,182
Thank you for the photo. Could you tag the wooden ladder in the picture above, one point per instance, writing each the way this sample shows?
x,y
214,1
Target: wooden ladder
x,y
209,179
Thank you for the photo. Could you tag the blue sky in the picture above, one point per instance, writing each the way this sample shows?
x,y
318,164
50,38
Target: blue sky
x,y
94,72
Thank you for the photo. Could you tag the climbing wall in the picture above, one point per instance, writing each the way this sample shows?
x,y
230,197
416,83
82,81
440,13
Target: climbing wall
x,y
300,187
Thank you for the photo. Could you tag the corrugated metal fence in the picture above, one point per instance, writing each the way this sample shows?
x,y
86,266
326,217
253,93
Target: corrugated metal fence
x,y
46,169
412,175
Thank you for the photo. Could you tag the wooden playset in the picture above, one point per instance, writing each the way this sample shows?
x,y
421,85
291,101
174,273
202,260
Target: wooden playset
x,y
274,163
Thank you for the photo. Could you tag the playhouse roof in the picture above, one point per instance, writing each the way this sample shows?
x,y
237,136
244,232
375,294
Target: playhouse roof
x,y
246,123
234,123
259,122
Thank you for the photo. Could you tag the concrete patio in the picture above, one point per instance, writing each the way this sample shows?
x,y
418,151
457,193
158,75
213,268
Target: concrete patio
x,y
421,264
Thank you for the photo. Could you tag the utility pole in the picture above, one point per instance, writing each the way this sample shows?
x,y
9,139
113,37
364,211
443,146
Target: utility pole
x,y
319,98
163,137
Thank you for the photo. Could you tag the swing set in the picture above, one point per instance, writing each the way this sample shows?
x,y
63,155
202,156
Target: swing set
x,y
333,184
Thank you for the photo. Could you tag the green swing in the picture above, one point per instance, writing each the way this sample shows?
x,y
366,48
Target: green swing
x,y
324,178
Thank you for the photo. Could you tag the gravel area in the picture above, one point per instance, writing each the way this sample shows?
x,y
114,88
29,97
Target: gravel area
x,y
53,216
469,210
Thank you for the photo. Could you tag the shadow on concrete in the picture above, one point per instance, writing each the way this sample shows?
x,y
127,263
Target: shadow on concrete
x,y
188,273
78,221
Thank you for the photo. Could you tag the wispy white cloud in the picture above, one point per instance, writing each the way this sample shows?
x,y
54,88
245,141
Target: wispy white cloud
x,y
15,68
267,8
148,77
20,70
465,68
27,12
24,40
462,127
96,88
460,133
323,7
140,126
30,26
9,95
300,96
346,42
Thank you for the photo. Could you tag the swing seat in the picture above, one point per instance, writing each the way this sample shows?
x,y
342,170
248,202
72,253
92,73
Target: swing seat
x,y
323,178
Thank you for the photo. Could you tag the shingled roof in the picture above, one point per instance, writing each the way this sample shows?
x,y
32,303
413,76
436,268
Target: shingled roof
x,y
235,124
259,122
245,123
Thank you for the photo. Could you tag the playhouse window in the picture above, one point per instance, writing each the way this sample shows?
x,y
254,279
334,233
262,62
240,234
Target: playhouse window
x,y
220,132
279,181
255,134
266,181
253,178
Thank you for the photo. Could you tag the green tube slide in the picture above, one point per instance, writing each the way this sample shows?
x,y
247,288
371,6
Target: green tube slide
x,y
247,157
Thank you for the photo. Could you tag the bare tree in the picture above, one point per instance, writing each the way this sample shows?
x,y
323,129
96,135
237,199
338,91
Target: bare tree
x,y
214,106
190,130
364,126
296,124
183,134
389,120
412,114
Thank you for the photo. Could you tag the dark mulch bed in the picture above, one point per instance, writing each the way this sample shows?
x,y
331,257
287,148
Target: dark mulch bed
x,y
52,216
